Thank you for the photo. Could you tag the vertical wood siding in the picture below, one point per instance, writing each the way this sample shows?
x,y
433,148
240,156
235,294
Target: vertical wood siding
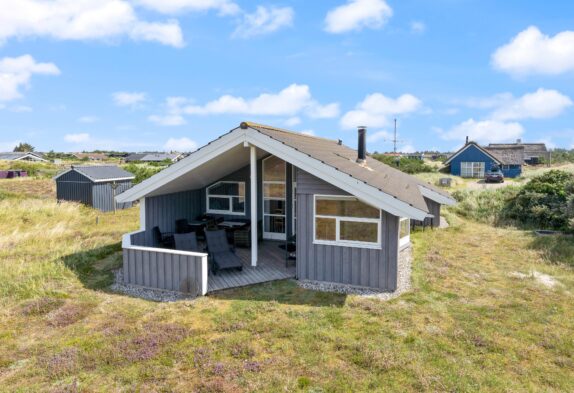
x,y
434,209
138,239
74,186
163,210
103,195
374,268
156,269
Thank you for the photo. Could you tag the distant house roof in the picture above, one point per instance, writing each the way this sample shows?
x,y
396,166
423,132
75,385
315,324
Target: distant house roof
x,y
135,157
508,155
477,146
372,181
100,173
153,157
528,147
15,156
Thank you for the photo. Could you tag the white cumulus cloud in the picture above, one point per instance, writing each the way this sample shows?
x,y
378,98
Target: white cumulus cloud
x,y
77,138
532,52
224,7
485,131
418,27
180,144
358,14
264,20
126,98
83,20
379,136
16,72
291,101
375,109
542,104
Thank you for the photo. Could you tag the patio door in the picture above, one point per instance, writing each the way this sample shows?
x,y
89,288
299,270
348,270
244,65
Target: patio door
x,y
274,198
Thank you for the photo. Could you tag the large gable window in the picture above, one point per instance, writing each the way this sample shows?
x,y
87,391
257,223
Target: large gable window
x,y
346,221
226,197
472,169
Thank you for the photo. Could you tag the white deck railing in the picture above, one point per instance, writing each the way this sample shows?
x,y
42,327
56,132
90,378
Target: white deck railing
x,y
162,268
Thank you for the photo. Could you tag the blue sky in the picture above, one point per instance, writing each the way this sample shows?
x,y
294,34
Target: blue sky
x,y
174,74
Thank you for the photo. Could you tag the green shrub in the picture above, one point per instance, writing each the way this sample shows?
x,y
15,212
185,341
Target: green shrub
x,y
407,165
488,206
142,171
547,201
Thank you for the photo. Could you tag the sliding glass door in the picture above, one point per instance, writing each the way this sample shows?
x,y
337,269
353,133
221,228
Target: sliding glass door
x,y
274,198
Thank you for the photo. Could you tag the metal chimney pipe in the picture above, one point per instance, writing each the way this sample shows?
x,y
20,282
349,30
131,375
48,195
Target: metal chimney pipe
x,y
362,145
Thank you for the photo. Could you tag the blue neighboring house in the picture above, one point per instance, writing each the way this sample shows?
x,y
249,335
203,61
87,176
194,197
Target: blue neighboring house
x,y
473,160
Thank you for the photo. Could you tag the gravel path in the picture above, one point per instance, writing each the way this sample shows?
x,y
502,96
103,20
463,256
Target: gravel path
x,y
157,295
403,282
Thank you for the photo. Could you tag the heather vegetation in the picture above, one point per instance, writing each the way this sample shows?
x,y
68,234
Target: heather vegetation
x,y
490,310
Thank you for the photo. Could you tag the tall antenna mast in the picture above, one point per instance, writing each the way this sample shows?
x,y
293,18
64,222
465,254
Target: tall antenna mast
x,y
395,138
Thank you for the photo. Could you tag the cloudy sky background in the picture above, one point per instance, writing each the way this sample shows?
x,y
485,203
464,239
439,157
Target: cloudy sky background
x,y
174,74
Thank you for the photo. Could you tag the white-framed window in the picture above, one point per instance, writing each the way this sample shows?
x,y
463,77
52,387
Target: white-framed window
x,y
346,221
226,197
506,167
472,169
404,231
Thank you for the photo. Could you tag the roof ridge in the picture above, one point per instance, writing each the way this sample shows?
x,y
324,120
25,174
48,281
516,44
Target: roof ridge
x,y
253,124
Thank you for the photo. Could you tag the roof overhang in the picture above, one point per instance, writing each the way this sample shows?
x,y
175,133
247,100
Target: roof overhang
x,y
91,178
448,161
31,155
250,136
435,196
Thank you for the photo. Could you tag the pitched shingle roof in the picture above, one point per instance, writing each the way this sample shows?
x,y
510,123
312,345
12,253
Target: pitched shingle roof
x,y
508,155
374,173
528,147
99,173
18,155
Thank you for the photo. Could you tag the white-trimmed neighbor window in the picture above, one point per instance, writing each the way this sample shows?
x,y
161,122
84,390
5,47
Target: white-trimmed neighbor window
x,y
226,197
346,221
404,231
472,169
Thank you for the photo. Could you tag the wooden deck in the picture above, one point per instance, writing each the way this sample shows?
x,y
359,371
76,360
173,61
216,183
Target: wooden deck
x,y
270,267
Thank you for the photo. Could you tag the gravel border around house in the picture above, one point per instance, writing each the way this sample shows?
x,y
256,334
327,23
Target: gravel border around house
x,y
403,282
157,295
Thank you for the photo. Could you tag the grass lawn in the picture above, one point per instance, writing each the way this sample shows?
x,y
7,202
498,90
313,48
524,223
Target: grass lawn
x,y
476,319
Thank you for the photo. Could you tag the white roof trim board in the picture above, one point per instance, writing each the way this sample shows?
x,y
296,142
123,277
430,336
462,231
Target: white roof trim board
x,y
466,147
250,136
435,196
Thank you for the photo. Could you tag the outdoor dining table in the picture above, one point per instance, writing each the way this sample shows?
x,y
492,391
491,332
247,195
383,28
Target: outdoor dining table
x,y
232,224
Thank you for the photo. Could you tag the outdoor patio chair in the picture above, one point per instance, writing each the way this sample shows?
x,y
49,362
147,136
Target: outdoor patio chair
x,y
186,242
182,226
242,236
161,240
221,253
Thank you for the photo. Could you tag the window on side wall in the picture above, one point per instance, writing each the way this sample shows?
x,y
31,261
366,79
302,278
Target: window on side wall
x,y
346,221
404,232
226,197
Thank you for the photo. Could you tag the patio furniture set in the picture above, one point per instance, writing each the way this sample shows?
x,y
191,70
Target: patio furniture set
x,y
214,235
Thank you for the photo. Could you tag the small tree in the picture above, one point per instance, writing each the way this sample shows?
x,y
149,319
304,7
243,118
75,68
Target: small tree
x,y
24,147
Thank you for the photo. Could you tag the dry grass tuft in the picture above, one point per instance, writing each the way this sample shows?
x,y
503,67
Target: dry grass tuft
x,y
41,306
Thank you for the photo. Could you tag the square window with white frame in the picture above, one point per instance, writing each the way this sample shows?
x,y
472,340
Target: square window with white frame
x,y
346,221
226,197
